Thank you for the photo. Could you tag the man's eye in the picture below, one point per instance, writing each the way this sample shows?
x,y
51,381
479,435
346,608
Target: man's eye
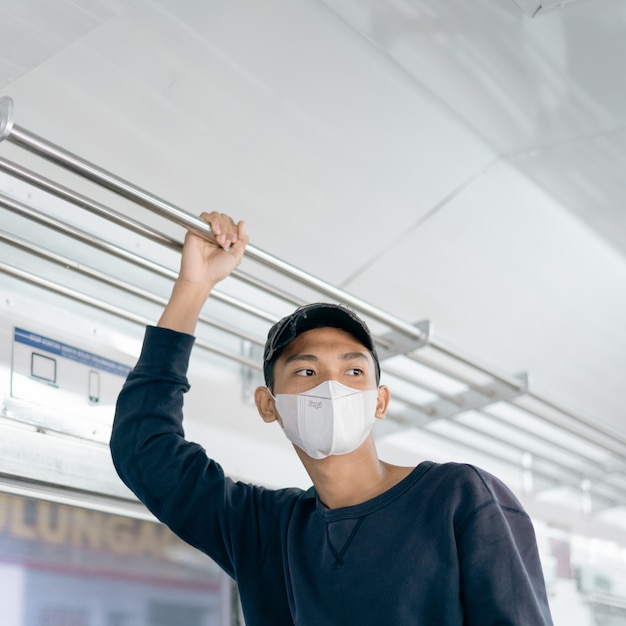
x,y
305,372
355,371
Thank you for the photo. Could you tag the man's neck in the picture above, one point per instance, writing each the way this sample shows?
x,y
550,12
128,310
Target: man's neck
x,y
353,478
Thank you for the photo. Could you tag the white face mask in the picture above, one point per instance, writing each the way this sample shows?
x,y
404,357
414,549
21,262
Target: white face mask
x,y
328,419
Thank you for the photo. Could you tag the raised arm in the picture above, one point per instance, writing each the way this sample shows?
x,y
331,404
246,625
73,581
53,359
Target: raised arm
x,y
171,476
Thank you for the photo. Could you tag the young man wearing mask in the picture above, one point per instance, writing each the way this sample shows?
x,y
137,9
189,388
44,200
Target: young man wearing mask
x,y
369,543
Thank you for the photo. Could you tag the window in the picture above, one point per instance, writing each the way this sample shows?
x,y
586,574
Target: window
x,y
71,566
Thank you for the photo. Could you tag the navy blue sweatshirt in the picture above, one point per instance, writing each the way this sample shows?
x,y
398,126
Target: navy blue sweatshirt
x,y
449,545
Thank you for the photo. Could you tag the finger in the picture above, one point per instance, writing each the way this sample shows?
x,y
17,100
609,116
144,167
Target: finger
x,y
228,228
222,227
208,218
241,232
213,220
238,248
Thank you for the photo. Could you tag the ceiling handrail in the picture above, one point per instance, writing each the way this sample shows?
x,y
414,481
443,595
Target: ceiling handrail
x,y
63,158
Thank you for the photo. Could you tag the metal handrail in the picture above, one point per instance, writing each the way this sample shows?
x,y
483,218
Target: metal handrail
x,y
609,500
65,159
105,279
576,474
96,303
73,163
79,200
96,242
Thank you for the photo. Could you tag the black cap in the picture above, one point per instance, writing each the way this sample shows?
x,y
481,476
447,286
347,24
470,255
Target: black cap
x,y
317,315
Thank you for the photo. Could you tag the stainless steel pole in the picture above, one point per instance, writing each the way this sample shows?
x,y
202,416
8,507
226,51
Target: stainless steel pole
x,y
69,161
81,167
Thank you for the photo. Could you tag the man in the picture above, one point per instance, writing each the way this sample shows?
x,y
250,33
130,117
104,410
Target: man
x,y
369,543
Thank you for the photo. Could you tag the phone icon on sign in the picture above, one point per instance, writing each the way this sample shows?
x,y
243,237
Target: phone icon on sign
x,y
94,386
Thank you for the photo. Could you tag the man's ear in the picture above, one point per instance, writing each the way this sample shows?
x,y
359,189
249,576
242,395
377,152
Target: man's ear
x,y
382,402
265,404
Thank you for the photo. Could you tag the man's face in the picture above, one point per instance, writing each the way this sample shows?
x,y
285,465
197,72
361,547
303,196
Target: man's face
x,y
322,354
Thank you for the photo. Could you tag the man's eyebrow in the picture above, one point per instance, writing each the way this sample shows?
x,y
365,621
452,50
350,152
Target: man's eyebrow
x,y
300,357
346,356
349,356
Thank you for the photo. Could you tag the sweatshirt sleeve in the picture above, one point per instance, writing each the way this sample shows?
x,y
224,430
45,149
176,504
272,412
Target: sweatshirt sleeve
x,y
173,477
501,575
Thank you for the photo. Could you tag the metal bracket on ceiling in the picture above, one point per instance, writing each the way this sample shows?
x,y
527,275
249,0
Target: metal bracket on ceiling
x,y
396,342
471,399
6,117
535,7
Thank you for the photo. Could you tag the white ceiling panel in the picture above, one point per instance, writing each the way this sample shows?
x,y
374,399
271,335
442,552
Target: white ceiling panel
x,y
269,134
31,31
508,273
